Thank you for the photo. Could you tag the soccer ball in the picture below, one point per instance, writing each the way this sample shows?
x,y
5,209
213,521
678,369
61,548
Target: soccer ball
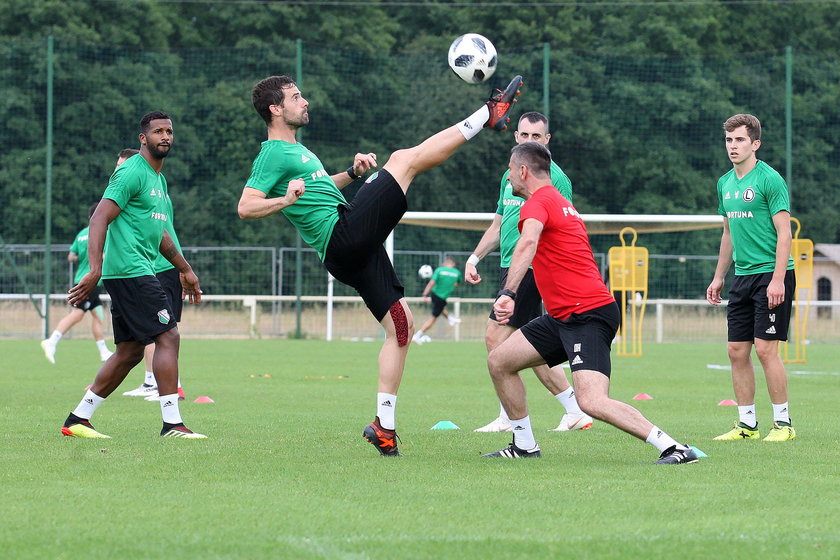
x,y
425,272
472,57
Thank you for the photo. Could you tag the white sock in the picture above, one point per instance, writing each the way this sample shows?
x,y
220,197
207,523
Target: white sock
x,y
386,403
780,413
55,337
473,124
662,441
150,378
169,409
523,436
102,346
88,405
503,412
746,415
569,402
418,334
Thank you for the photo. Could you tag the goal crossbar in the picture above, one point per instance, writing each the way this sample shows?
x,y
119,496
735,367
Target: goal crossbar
x,y
595,223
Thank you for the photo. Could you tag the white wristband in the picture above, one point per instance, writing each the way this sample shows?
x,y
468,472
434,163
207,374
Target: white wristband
x,y
473,260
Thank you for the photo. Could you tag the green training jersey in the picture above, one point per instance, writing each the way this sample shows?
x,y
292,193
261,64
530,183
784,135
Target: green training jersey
x,y
79,246
445,279
509,205
749,203
316,212
133,240
162,263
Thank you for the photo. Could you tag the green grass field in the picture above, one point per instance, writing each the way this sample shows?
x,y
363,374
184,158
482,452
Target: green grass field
x,y
286,473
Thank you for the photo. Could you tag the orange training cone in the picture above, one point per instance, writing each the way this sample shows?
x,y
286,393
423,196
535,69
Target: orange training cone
x,y
642,397
204,399
727,402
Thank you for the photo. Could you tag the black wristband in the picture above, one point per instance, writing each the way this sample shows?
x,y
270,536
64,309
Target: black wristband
x,y
352,173
509,293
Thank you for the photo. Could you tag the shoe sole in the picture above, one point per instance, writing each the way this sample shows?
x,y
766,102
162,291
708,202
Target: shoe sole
x,y
183,435
509,95
369,434
69,433
574,427
47,356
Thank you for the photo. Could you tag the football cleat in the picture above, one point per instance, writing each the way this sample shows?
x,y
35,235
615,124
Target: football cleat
x,y
49,350
571,422
143,390
500,104
453,320
513,452
179,431
676,456
79,427
385,441
740,431
181,395
498,425
782,431
105,354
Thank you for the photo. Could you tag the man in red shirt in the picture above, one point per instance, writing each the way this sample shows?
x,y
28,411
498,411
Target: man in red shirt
x,y
582,316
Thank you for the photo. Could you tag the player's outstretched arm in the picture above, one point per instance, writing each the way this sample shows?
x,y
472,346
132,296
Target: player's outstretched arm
x,y
255,204
488,243
362,163
105,213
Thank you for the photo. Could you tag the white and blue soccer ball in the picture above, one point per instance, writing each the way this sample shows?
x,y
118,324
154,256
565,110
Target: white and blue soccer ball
x,y
472,57
425,272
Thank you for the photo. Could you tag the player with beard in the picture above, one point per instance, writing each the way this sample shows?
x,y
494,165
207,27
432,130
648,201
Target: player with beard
x,y
349,237
133,212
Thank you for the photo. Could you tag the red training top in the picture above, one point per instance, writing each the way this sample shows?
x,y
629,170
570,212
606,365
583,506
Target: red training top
x,y
567,277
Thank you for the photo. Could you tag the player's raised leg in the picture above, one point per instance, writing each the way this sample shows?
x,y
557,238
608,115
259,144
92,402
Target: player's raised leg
x,y
406,164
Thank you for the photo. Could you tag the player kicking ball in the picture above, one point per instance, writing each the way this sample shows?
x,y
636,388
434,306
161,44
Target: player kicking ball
x,y
582,316
348,236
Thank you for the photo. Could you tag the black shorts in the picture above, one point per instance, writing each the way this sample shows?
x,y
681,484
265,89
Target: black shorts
x,y
747,315
355,254
583,339
140,310
528,300
92,301
170,281
438,303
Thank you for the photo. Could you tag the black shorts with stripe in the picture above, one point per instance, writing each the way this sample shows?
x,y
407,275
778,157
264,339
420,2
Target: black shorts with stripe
x,y
747,314
170,281
583,340
140,309
355,254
